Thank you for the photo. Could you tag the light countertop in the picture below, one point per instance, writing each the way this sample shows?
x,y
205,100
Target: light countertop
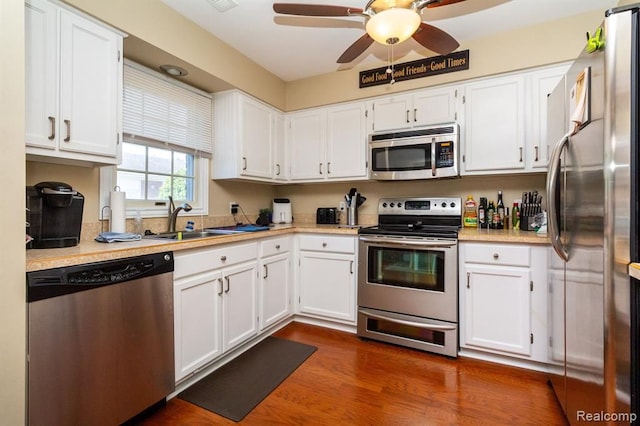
x,y
92,251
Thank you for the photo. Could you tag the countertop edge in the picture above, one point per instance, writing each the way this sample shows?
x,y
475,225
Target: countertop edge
x,y
93,251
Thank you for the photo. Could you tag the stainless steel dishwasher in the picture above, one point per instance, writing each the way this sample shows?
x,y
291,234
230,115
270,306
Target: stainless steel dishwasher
x,y
100,339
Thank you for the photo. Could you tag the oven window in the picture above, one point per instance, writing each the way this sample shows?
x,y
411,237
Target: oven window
x,y
400,158
402,267
406,331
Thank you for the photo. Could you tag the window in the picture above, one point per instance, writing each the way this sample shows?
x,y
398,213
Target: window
x,y
167,145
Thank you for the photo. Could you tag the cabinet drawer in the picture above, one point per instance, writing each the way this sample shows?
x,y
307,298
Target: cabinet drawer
x,y
328,243
200,260
274,246
497,254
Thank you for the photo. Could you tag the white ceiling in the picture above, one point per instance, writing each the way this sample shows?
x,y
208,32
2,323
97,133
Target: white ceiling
x,y
298,47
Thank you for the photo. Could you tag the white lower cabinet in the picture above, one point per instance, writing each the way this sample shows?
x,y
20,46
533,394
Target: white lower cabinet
x,y
275,281
327,277
215,303
503,293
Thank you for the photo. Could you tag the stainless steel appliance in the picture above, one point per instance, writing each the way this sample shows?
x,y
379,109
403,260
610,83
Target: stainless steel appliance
x,y
100,340
430,152
592,186
54,215
408,274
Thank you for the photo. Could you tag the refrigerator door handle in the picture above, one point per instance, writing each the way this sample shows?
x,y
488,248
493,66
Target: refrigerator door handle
x,y
552,179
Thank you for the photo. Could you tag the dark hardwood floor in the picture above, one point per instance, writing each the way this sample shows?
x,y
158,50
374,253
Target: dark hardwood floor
x,y
351,381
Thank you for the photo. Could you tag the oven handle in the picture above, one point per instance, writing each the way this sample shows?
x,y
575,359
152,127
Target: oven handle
x,y
399,242
409,323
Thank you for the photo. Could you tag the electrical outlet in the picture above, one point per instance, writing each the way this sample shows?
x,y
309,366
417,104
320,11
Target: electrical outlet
x,y
233,207
342,206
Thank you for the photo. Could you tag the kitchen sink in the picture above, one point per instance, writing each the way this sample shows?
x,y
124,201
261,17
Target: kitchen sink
x,y
207,232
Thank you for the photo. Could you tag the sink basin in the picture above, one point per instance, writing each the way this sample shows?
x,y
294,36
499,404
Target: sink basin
x,y
207,232
177,236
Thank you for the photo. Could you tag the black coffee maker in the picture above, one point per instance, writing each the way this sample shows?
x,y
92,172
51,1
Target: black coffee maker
x,y
54,215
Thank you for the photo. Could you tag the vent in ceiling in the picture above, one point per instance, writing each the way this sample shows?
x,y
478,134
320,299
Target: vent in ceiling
x,y
223,5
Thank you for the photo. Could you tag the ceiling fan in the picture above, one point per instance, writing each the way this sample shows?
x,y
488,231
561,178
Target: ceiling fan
x,y
388,22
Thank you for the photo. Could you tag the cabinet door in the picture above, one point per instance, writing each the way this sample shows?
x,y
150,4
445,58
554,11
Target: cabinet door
x,y
257,133
197,309
392,113
347,141
306,141
327,285
434,106
41,78
280,163
274,290
497,308
494,133
239,304
542,84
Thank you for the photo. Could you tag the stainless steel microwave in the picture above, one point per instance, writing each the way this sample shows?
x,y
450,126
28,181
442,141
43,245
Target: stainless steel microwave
x,y
426,153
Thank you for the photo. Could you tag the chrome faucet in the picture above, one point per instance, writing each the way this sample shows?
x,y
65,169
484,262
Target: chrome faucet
x,y
173,213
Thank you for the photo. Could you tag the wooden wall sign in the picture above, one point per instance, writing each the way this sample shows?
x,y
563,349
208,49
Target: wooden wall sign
x,y
456,61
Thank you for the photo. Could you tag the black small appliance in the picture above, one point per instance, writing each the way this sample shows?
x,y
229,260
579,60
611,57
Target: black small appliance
x,y
54,215
327,215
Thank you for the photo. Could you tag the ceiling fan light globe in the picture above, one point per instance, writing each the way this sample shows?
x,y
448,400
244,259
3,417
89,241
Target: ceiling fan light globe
x,y
392,26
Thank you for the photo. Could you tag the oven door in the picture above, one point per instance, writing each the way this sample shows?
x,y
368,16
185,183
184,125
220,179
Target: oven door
x,y
408,275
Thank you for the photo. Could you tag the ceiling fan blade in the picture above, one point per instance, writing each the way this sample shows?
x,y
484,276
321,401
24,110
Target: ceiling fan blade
x,y
435,39
315,22
443,3
355,49
315,9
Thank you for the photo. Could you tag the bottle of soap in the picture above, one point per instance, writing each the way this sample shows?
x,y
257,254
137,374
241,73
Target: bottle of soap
x,y
138,226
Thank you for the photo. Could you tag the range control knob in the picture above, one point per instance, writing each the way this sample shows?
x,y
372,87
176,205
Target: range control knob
x,y
453,205
391,205
444,204
399,205
384,205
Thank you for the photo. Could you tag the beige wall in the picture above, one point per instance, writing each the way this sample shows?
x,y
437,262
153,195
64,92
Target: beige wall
x,y
12,260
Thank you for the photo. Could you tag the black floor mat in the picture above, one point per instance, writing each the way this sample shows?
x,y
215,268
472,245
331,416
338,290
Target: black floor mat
x,y
234,389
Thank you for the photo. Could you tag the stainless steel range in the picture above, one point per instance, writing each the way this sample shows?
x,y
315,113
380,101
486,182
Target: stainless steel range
x,y
408,274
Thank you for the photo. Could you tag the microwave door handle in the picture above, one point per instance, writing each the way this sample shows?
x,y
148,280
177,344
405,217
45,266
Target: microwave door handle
x,y
552,187
433,157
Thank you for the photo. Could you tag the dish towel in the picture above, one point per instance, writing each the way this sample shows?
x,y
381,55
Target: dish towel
x,y
112,237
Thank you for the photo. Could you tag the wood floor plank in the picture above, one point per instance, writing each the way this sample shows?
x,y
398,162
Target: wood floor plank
x,y
361,382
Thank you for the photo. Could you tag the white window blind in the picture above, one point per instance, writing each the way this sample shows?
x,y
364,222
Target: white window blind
x,y
159,108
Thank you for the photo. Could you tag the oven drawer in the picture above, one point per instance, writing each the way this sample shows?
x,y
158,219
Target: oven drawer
x,y
326,243
497,254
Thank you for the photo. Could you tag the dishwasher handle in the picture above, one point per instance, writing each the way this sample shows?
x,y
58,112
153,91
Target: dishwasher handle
x,y
49,283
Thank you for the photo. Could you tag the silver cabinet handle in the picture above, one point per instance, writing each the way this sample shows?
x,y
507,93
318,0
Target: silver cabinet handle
x,y
351,267
329,168
320,168
496,256
536,150
223,258
67,123
228,285
52,134
468,278
278,168
324,244
521,154
415,114
220,282
244,163
266,271
408,116
277,246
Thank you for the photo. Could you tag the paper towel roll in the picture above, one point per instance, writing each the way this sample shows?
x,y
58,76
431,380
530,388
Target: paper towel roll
x,y
118,212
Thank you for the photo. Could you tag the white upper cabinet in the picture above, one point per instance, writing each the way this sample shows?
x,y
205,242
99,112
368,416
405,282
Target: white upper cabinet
x,y
248,139
403,112
328,143
503,122
494,125
542,84
73,86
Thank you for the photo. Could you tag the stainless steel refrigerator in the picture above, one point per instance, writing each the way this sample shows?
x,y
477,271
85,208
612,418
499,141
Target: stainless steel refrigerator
x,y
592,191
